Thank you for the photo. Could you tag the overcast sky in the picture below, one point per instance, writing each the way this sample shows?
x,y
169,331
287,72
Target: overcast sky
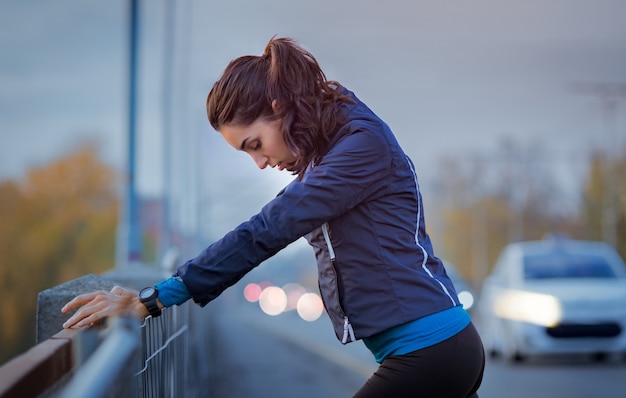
x,y
450,77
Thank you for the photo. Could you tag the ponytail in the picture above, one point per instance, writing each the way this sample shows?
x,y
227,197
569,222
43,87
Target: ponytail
x,y
307,104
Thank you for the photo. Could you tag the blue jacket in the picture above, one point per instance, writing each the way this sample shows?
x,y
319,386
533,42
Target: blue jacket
x,y
376,265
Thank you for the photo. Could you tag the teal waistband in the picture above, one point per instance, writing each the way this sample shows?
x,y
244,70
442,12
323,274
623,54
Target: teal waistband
x,y
420,333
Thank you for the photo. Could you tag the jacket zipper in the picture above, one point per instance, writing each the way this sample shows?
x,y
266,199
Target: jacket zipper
x,y
348,332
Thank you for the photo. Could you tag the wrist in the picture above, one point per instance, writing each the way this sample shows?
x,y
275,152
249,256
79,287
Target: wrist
x,y
148,297
139,308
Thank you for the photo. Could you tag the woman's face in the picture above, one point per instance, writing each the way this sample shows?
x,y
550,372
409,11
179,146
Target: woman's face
x,y
263,141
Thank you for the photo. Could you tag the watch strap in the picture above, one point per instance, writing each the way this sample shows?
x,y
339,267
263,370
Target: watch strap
x,y
151,304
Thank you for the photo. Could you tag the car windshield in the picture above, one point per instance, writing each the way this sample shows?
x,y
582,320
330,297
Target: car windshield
x,y
565,265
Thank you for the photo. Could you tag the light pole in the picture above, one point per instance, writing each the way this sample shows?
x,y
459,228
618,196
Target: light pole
x,y
129,243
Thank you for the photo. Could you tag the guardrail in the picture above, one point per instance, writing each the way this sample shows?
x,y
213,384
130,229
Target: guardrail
x,y
119,358
115,368
166,354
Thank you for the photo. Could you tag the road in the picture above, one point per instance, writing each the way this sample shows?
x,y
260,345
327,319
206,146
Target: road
x,y
258,356
572,377
284,356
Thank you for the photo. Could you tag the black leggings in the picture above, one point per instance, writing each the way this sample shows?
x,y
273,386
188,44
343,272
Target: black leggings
x,y
451,369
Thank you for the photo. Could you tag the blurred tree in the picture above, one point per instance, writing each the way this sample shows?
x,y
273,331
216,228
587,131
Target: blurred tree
x,y
606,177
594,196
491,200
57,224
620,203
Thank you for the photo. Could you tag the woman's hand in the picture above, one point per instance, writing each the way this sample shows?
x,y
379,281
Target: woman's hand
x,y
101,304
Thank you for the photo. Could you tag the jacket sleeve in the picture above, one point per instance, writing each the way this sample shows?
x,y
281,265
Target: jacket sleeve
x,y
352,170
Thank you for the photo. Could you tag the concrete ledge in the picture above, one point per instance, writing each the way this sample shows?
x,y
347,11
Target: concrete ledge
x,y
50,301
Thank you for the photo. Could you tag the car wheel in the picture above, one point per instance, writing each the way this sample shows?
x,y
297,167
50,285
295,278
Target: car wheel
x,y
494,353
599,357
509,345
512,354
518,357
490,344
490,339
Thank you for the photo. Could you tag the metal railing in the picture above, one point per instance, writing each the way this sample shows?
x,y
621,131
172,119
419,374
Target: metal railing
x,y
157,357
165,353
137,360
108,371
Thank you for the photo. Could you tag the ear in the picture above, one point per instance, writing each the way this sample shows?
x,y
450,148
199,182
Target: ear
x,y
275,106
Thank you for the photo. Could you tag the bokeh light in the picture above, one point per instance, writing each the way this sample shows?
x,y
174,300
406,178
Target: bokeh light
x,y
252,291
310,306
467,299
293,291
273,300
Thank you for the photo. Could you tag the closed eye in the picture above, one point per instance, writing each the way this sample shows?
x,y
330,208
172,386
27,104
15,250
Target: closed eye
x,y
255,145
250,146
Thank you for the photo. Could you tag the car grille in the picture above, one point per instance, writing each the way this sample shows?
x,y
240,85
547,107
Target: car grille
x,y
565,330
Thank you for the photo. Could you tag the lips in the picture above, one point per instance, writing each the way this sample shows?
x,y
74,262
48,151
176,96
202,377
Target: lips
x,y
282,167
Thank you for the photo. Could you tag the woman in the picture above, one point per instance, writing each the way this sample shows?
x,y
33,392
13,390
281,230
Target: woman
x,y
356,200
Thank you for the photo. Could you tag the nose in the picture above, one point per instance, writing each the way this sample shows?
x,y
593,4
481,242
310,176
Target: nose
x,y
260,160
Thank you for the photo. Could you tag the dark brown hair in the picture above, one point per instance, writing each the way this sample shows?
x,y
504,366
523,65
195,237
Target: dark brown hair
x,y
308,105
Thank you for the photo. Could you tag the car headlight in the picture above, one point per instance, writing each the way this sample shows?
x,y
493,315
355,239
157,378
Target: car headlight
x,y
537,308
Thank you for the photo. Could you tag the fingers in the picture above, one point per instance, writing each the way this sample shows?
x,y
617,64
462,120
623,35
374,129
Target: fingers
x,y
78,321
80,300
87,297
90,310
98,305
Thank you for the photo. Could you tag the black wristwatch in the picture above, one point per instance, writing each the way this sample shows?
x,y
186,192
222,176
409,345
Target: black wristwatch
x,y
148,296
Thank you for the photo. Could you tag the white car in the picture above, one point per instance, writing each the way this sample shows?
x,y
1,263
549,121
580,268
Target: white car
x,y
556,296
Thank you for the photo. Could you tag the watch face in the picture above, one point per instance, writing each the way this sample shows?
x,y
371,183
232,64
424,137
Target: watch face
x,y
146,293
